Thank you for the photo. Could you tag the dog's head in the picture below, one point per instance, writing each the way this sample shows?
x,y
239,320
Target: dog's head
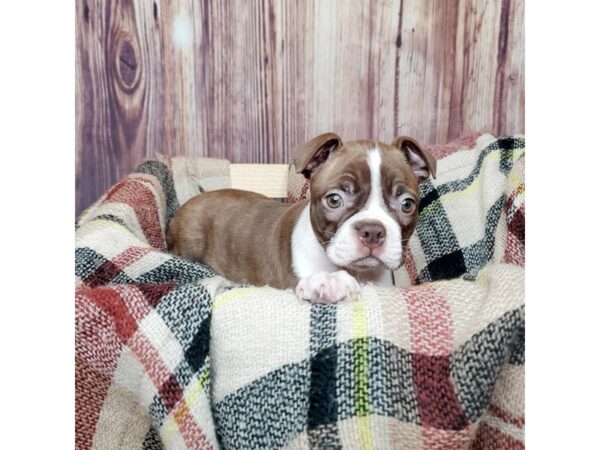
x,y
364,197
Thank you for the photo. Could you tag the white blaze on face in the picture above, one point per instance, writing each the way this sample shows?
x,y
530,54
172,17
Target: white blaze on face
x,y
346,248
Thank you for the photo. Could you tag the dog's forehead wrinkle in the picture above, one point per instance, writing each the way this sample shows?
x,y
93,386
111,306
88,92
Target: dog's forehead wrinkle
x,y
344,180
351,166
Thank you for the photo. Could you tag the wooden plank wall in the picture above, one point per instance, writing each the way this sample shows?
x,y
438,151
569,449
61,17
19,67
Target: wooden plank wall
x,y
248,80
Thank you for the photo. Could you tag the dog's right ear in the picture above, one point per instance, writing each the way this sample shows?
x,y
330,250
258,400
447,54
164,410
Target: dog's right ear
x,y
422,163
310,155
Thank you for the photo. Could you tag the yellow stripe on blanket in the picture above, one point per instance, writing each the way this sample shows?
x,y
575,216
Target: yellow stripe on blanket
x,y
458,195
171,425
229,296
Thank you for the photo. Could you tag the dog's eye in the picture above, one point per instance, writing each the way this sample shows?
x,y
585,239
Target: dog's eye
x,y
407,205
334,200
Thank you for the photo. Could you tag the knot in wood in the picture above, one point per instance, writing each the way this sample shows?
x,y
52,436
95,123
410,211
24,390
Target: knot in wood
x,y
128,64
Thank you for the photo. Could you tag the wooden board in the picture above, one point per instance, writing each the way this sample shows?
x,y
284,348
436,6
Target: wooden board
x,y
249,80
266,179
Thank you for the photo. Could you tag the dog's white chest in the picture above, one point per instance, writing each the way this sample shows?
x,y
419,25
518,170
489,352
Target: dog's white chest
x,y
308,255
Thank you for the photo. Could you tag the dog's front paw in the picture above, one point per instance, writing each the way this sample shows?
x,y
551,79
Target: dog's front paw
x,y
325,287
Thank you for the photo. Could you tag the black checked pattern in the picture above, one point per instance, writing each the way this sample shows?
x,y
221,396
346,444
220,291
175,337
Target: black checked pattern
x,y
445,258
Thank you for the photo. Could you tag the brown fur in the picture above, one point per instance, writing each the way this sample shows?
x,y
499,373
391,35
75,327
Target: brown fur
x,y
246,237
347,165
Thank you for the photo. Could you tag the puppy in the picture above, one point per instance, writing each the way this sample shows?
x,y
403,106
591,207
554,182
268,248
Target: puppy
x,y
354,229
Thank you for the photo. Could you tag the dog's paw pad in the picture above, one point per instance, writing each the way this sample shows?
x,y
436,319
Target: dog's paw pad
x,y
325,287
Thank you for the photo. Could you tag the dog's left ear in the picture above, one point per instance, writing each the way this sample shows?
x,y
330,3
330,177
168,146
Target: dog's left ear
x,y
310,155
421,161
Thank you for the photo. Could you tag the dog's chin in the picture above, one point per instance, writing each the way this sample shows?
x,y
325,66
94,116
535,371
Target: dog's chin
x,y
372,263
367,263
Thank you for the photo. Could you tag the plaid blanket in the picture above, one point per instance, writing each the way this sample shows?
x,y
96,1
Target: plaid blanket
x,y
170,355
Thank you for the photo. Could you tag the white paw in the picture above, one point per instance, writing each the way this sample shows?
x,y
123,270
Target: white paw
x,y
325,287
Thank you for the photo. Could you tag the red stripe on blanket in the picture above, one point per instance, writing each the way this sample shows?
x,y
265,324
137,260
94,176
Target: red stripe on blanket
x,y
462,143
190,431
135,300
97,351
139,196
110,301
514,252
103,274
489,438
447,440
129,256
107,271
302,195
430,322
439,406
155,292
157,370
506,416
517,224
411,267
304,190
170,392
431,344
518,190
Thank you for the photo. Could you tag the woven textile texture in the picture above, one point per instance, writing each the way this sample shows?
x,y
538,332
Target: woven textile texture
x,y
170,355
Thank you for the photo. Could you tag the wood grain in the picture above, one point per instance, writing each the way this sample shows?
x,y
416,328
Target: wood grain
x,y
119,107
249,80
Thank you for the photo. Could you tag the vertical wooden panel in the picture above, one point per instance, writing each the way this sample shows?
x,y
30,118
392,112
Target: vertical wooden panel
x,y
353,83
326,86
249,80
118,99
510,109
184,119
238,79
481,43
426,67
463,72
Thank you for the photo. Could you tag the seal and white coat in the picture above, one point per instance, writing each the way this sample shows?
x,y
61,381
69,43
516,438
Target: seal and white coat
x,y
324,249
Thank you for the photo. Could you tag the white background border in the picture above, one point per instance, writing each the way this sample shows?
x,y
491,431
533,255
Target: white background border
x,y
37,85
37,122
562,42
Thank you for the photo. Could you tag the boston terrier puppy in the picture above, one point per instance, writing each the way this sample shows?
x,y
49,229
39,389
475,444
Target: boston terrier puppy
x,y
354,229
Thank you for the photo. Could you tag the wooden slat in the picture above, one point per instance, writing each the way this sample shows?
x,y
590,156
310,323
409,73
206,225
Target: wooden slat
x,y
266,179
249,80
119,108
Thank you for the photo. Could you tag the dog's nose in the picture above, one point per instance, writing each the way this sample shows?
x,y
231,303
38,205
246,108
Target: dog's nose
x,y
370,233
